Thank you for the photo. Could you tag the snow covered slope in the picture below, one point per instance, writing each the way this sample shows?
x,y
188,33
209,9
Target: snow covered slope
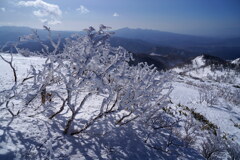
x,y
224,112
213,91
30,134
208,69
236,61
198,62
22,64
194,94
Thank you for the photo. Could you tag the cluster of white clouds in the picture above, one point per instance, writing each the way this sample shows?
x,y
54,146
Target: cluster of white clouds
x,y
49,14
83,10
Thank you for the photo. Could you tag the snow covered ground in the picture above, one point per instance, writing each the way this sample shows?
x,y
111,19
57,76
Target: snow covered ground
x,y
17,137
198,62
199,69
197,79
22,65
222,114
236,61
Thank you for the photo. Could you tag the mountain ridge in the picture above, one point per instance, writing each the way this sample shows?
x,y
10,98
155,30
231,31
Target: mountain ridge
x,y
147,41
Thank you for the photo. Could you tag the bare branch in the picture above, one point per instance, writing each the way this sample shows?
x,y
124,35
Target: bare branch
x,y
12,67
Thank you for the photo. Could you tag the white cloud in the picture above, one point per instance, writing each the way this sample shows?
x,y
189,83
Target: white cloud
x,y
50,22
116,15
83,10
3,9
40,13
48,13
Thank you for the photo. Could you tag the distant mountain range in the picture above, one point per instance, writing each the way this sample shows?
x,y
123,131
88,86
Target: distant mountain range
x,y
228,48
164,38
145,43
12,33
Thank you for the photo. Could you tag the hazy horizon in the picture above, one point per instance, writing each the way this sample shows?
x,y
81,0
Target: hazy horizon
x,y
215,18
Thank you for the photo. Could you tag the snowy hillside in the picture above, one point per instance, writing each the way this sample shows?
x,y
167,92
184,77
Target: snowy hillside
x,y
200,69
224,113
198,62
27,134
236,61
22,64
212,91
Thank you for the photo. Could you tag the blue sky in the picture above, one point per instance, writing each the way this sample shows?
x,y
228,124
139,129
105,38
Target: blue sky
x,y
196,17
